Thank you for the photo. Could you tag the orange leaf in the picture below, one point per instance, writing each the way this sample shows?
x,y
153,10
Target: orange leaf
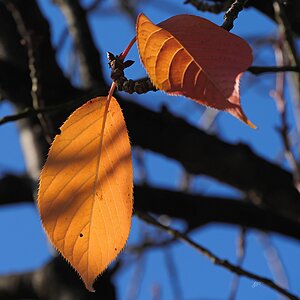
x,y
85,193
191,56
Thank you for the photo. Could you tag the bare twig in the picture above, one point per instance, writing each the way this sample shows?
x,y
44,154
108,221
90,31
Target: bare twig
x,y
285,28
31,42
232,13
136,280
129,8
156,291
241,248
180,205
173,274
278,96
208,120
89,57
290,52
257,70
93,6
65,31
215,8
274,261
149,244
138,155
29,111
215,259
234,164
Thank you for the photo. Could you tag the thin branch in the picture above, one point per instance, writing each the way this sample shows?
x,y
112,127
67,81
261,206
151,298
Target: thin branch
x,y
54,280
65,31
265,184
274,260
129,8
232,13
205,210
173,274
117,65
241,249
142,86
211,209
90,65
257,70
285,28
215,8
284,25
93,6
141,169
280,101
137,277
30,111
215,259
31,41
149,245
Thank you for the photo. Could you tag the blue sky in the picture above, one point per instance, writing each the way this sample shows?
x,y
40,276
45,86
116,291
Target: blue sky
x,y
24,246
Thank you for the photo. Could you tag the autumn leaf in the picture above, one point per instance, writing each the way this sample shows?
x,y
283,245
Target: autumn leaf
x,y
85,192
191,56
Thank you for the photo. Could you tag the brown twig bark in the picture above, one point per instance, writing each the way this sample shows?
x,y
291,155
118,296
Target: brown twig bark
x,y
232,13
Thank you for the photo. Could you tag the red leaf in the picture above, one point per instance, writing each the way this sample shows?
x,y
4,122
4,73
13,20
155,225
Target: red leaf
x,y
191,56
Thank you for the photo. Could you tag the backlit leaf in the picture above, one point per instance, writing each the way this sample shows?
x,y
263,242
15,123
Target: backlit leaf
x,y
191,56
85,193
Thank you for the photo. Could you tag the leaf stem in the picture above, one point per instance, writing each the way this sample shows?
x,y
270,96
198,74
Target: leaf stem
x,y
108,99
125,52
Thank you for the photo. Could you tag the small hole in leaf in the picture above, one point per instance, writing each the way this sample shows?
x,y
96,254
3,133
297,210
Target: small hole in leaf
x,y
115,249
81,235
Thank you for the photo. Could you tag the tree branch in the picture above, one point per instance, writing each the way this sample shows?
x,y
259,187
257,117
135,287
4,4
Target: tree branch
x,y
30,111
215,259
292,8
54,281
232,13
32,44
198,210
195,210
258,70
265,183
89,57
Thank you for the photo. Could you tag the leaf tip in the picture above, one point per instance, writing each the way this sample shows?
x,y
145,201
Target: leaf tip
x,y
250,124
89,286
141,17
